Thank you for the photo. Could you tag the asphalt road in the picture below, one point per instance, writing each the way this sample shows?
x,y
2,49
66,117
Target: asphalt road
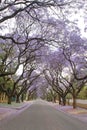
x,y
42,116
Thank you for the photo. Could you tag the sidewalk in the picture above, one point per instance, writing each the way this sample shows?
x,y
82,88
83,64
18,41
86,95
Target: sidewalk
x,y
4,112
79,113
7,110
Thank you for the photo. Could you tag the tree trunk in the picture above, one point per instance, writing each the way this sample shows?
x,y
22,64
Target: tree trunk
x,y
63,101
22,97
9,99
68,101
59,100
54,99
28,97
18,99
74,101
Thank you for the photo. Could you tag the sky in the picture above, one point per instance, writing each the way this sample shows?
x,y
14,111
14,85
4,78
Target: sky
x,y
20,70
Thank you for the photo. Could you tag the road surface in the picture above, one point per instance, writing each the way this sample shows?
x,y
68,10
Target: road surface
x,y
42,116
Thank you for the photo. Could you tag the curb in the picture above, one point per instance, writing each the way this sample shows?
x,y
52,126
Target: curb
x,y
17,108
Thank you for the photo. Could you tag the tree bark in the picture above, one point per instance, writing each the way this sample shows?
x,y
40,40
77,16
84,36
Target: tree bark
x,y
63,101
18,99
54,99
74,101
22,97
68,101
28,97
59,100
9,100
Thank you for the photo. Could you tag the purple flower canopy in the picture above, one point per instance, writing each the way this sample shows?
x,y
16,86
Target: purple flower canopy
x,y
38,27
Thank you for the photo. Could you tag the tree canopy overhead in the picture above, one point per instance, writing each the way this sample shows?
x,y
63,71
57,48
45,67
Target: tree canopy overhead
x,y
49,35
